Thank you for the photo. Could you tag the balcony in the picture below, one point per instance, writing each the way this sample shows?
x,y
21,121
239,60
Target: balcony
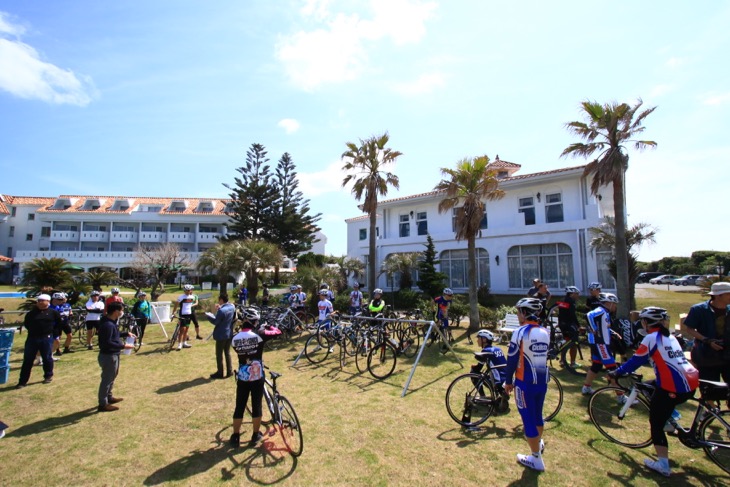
x,y
88,258
94,236
64,236
208,237
124,236
181,237
152,236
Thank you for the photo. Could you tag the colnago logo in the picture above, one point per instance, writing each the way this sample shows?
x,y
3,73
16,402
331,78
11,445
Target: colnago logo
x,y
539,347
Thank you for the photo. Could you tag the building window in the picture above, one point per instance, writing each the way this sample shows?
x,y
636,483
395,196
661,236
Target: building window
x,y
363,233
483,224
454,263
12,212
45,231
553,208
527,206
422,223
553,263
29,237
11,233
31,217
404,227
10,252
603,259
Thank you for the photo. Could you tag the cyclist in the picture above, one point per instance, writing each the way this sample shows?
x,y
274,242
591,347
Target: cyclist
x,y
58,302
142,311
330,294
94,310
599,338
324,307
186,302
265,295
249,345
592,302
442,312
527,366
114,298
377,303
355,299
494,356
676,379
568,320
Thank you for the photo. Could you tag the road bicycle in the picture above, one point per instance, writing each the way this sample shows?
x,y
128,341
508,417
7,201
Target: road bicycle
x,y
128,324
281,415
621,414
472,398
560,347
170,345
399,338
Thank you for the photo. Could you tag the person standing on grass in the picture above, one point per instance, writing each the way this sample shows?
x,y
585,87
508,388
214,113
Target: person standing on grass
x,y
355,299
58,302
528,375
265,295
142,311
599,338
40,322
568,320
243,296
222,334
249,345
110,346
114,298
94,311
186,302
592,301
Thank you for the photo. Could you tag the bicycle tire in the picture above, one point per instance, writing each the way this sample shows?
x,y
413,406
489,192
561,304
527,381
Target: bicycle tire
x,y
363,350
582,357
137,342
317,348
469,396
630,431
81,330
553,399
381,360
714,430
410,342
290,428
173,338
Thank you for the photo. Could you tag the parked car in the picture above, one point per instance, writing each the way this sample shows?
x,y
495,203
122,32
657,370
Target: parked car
x,y
688,280
664,279
645,276
704,280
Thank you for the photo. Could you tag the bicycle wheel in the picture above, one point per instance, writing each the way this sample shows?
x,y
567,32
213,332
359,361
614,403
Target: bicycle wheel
x,y
173,338
290,429
553,399
381,360
470,400
717,431
317,348
410,341
363,350
81,331
632,430
582,358
137,342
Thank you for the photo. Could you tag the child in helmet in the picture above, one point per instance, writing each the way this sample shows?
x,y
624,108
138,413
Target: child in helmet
x,y
494,356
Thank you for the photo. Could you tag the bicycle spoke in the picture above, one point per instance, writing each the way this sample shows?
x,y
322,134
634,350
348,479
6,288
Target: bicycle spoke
x,y
470,400
631,430
717,432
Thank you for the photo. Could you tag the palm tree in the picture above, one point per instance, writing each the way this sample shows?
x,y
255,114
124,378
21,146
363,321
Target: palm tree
x,y
604,237
466,188
45,274
403,263
608,129
223,259
370,181
257,255
97,279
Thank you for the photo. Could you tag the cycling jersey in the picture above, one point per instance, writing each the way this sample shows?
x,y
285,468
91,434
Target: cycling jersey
x,y
186,303
376,306
355,299
249,345
496,358
527,355
599,330
64,309
566,312
325,308
94,310
673,372
442,305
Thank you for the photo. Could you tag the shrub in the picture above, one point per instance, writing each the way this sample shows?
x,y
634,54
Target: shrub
x,y
484,296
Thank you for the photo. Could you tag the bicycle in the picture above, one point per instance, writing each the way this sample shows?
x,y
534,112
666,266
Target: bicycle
x,y
472,398
282,414
626,422
561,347
170,345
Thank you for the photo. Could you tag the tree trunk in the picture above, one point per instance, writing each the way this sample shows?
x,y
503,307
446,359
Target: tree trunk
x,y
472,276
622,260
371,258
276,275
252,283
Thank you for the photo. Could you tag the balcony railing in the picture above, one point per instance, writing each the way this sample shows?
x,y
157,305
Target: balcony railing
x,y
94,236
152,236
124,236
178,237
64,236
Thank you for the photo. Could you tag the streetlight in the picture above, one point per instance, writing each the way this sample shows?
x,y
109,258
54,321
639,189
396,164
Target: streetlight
x,y
720,271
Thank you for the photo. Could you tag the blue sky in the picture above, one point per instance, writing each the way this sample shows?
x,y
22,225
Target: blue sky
x,y
163,98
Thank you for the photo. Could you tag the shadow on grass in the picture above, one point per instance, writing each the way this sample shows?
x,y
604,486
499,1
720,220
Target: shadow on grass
x,y
529,477
50,424
181,386
267,464
488,431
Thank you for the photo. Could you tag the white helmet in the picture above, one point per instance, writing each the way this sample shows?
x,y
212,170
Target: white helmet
x,y
250,314
485,334
531,304
188,287
572,289
607,298
378,291
594,285
58,296
448,292
114,290
292,287
654,314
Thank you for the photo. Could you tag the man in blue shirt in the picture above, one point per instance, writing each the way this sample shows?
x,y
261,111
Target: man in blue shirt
x,y
709,324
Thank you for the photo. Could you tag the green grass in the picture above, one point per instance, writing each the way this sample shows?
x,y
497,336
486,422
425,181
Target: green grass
x,y
173,424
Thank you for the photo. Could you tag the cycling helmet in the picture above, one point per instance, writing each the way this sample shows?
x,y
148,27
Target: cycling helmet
x,y
594,285
188,287
58,296
141,293
292,288
654,314
607,298
250,314
378,291
448,292
114,290
323,292
299,286
324,286
572,289
95,293
486,334
531,304
356,285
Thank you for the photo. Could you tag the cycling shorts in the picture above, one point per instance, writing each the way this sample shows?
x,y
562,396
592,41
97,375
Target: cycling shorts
x,y
185,320
569,331
601,356
66,328
529,399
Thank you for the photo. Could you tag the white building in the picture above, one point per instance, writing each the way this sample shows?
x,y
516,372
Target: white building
x,y
539,229
105,231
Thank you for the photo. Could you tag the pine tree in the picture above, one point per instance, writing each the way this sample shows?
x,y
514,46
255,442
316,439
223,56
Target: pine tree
x,y
430,281
253,196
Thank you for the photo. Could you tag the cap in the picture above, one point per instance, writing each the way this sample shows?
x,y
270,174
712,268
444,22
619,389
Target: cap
x,y
719,288
43,297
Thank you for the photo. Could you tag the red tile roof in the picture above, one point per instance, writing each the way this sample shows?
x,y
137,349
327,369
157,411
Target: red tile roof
x,y
107,202
5,259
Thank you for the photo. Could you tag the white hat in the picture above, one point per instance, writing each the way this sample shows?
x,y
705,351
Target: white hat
x,y
719,288
43,297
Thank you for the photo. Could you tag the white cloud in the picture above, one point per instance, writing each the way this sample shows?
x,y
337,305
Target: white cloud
x,y
716,98
660,90
326,181
25,75
338,50
426,83
674,62
289,125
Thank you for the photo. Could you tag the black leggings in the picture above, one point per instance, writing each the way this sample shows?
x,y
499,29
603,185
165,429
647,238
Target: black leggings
x,y
243,388
142,324
660,409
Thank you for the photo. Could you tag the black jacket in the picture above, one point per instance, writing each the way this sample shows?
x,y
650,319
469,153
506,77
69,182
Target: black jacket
x,y
110,340
40,322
